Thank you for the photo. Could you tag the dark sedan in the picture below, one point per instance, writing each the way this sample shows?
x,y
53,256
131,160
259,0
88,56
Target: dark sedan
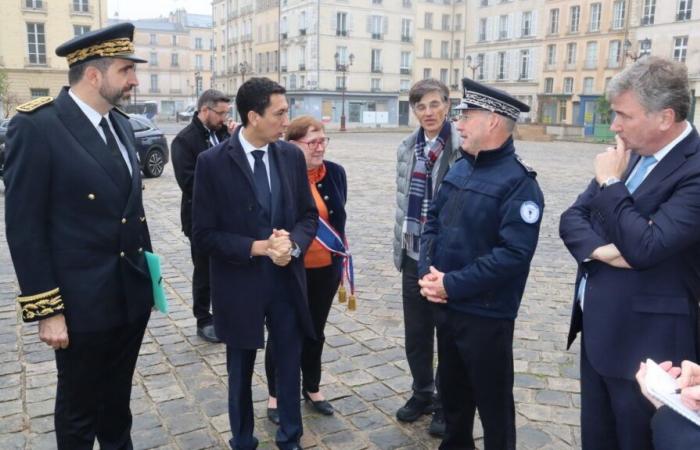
x,y
3,131
151,146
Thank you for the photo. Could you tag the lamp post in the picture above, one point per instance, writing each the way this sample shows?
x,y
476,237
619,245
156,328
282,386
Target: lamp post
x,y
644,44
473,67
342,67
197,84
243,68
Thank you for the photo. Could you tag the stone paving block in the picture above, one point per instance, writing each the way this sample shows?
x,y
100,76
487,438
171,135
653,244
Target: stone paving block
x,y
385,371
349,405
196,440
532,438
325,425
400,384
388,438
152,438
368,420
356,378
373,391
345,440
557,398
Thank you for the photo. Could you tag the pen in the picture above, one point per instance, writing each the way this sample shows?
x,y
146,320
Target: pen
x,y
677,391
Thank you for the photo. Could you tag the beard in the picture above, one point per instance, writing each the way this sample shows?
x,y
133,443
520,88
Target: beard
x,y
114,96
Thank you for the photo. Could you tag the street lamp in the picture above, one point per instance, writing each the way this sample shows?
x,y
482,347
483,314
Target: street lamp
x,y
197,84
473,67
342,67
243,68
644,46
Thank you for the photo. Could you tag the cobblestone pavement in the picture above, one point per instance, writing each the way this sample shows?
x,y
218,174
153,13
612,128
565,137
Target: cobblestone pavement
x,y
179,396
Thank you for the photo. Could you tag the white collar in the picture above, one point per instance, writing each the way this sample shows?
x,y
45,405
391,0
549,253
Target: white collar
x,y
93,116
247,146
664,151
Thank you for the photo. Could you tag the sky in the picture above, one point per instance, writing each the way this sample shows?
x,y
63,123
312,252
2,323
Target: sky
x,y
141,9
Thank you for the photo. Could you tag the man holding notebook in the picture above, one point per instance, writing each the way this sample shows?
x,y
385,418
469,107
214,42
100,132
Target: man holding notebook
x,y
635,234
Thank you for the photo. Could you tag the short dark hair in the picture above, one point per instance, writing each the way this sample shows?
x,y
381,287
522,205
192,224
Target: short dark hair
x,y
76,72
423,87
254,95
210,98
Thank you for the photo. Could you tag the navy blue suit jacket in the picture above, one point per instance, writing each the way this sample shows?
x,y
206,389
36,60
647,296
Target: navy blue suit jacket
x,y
672,431
651,310
71,223
225,224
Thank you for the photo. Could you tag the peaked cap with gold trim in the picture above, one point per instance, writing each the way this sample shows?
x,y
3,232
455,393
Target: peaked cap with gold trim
x,y
115,41
480,96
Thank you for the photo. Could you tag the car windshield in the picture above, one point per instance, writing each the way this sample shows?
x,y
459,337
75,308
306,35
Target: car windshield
x,y
140,123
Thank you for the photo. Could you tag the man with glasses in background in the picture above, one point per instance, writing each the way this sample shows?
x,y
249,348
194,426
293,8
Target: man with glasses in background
x,y
423,159
207,129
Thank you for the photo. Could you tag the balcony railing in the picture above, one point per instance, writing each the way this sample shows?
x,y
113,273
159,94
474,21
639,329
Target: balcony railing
x,y
377,36
405,71
340,32
377,69
302,66
41,61
590,64
406,39
302,31
612,64
283,68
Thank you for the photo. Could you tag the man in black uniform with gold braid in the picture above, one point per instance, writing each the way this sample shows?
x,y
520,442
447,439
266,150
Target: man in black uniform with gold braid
x,y
77,233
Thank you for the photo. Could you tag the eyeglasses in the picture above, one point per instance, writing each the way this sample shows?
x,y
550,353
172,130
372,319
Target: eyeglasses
x,y
433,106
317,142
219,113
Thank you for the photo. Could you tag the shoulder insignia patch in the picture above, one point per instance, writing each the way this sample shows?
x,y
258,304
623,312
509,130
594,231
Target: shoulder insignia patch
x,y
120,111
527,168
34,104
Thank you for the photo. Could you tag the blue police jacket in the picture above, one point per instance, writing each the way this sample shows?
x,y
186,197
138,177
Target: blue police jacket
x,y
482,231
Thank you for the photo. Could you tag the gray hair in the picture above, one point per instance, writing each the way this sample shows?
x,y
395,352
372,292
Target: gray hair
x,y
423,87
210,98
658,84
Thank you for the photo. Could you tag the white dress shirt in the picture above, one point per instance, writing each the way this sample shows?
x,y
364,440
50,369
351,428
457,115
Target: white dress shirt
x,y
248,148
94,117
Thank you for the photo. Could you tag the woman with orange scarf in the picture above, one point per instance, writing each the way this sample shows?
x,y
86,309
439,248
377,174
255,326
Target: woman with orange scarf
x,y
323,268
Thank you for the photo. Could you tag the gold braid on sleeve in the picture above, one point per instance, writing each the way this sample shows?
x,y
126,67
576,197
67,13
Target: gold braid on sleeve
x,y
41,306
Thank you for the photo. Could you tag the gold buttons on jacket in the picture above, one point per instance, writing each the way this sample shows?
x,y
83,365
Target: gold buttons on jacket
x,y
123,219
122,254
91,196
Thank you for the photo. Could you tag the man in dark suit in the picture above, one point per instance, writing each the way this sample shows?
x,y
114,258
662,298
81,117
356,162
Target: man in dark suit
x,y
254,215
207,129
635,233
77,233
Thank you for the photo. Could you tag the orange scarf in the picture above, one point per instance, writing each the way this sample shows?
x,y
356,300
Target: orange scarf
x,y
317,256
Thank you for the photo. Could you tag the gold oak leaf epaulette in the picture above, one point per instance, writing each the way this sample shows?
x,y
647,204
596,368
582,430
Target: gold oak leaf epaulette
x,y
530,171
41,306
34,104
120,111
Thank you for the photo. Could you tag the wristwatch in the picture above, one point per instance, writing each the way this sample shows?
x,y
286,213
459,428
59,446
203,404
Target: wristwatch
x,y
610,181
295,250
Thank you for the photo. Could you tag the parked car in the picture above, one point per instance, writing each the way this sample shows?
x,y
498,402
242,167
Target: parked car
x,y
3,131
151,146
186,115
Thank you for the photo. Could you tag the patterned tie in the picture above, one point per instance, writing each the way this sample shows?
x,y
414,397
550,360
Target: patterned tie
x,y
116,154
633,182
212,138
262,185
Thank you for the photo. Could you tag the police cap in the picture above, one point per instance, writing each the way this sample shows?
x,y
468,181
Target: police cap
x,y
480,96
115,41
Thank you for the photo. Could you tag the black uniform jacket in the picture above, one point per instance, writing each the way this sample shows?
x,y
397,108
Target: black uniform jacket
x,y
187,145
71,225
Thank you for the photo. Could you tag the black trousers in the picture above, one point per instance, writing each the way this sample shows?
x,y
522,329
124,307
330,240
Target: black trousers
x,y
94,388
420,322
286,335
322,284
614,413
476,372
201,295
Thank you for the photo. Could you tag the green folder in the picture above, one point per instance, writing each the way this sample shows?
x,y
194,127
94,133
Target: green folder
x,y
159,299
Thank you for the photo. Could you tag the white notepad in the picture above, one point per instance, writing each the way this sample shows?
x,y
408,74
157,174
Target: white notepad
x,y
662,386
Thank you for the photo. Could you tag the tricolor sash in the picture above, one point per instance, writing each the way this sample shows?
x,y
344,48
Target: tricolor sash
x,y
329,238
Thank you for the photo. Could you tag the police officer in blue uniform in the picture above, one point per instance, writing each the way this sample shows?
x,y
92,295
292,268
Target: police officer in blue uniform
x,y
475,257
77,233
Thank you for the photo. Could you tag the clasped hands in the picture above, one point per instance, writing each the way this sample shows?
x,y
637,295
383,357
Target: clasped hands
x,y
687,376
432,286
279,247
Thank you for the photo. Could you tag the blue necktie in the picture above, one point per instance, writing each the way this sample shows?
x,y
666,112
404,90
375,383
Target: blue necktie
x,y
262,185
633,182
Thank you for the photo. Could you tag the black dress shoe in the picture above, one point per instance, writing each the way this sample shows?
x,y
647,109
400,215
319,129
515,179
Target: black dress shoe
x,y
437,424
322,406
208,334
413,409
273,415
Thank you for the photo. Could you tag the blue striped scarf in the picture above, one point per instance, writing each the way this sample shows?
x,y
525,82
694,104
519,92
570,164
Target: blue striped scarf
x,y
420,192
